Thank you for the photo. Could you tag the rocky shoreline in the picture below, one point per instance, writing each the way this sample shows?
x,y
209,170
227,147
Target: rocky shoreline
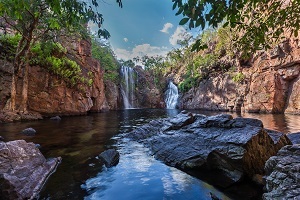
x,y
228,153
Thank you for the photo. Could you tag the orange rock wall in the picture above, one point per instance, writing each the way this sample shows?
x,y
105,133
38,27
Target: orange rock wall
x,y
271,85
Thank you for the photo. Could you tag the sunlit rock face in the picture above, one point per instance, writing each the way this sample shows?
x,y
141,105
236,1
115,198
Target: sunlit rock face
x,y
23,170
51,95
219,93
271,84
222,150
275,80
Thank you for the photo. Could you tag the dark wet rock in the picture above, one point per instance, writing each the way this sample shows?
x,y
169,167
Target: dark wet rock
x,y
110,157
23,170
6,116
55,118
29,132
1,139
219,149
283,174
213,196
294,137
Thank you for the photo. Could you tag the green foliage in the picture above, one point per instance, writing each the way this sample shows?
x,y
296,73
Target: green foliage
x,y
259,22
196,66
238,77
9,45
52,56
128,63
107,59
156,66
205,61
52,14
189,82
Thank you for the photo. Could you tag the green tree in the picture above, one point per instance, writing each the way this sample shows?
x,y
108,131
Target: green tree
x,y
155,65
108,61
260,22
36,19
128,63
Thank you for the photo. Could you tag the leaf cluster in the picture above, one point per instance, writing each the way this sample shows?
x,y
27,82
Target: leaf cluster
x,y
238,77
260,23
8,44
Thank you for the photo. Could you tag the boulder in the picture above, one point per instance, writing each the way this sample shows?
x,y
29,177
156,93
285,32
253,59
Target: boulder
x,y
110,157
29,132
294,137
23,170
283,174
219,149
56,118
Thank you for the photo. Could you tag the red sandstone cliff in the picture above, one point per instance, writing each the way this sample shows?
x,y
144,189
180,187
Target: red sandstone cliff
x,y
271,85
49,95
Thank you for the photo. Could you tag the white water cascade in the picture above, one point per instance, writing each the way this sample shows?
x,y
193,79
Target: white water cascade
x,y
128,86
171,96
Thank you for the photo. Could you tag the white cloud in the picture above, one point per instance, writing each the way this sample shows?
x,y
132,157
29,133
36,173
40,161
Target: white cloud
x,y
166,28
179,34
125,39
139,51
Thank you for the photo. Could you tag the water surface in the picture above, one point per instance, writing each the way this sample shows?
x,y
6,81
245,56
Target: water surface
x,y
81,175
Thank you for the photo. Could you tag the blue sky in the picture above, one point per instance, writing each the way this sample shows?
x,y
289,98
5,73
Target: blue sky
x,y
141,27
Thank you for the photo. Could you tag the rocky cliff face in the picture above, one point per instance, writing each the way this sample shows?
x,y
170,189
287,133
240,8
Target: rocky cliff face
x,y
149,95
271,85
112,94
216,93
50,95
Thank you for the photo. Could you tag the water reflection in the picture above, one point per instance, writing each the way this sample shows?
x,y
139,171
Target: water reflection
x,y
79,141
140,176
285,123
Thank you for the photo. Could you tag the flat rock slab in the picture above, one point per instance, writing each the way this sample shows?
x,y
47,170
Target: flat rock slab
x,y
218,148
23,170
283,174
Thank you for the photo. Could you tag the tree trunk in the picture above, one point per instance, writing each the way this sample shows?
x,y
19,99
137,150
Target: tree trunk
x,y
12,106
23,106
16,64
23,49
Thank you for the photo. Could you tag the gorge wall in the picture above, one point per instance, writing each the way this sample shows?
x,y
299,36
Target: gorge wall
x,y
270,84
50,95
147,92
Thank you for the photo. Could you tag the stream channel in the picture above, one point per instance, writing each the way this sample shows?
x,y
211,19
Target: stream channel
x,y
81,175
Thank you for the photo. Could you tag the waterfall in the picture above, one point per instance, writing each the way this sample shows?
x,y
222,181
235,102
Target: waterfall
x,y
128,86
171,96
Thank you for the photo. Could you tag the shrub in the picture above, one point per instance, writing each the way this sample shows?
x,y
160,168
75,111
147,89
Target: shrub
x,y
239,77
52,56
9,44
